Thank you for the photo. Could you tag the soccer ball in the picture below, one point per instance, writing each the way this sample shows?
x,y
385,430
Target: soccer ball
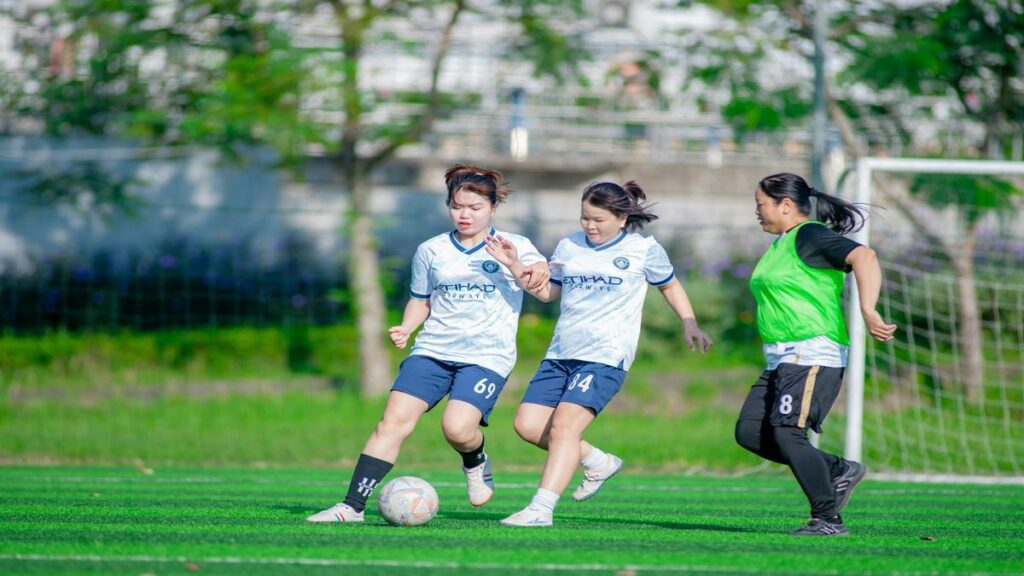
x,y
407,501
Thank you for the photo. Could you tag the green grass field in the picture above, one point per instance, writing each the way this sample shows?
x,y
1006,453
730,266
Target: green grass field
x,y
250,430
79,520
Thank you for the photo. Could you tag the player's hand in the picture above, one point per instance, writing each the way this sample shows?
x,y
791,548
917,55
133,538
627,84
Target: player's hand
x,y
502,249
536,275
399,336
877,327
696,338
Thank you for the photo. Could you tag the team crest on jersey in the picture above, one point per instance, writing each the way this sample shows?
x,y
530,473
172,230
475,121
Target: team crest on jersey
x,y
490,266
621,263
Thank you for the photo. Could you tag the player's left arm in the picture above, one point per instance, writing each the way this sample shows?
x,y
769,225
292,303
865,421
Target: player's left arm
x,y
658,271
868,274
677,299
533,278
536,272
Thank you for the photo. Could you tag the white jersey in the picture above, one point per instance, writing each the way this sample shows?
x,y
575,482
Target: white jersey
x,y
603,292
474,301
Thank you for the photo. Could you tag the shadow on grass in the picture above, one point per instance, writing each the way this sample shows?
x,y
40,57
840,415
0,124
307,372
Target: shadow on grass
x,y
609,522
302,511
481,516
473,515
688,526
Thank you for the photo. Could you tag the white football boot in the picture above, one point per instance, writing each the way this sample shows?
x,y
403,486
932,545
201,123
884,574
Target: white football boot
x,y
594,478
529,517
480,483
340,512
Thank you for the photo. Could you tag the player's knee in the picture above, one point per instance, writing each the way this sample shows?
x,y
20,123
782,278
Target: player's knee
x,y
563,432
748,435
529,430
459,431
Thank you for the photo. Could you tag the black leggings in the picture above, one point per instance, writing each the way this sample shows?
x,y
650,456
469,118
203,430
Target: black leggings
x,y
789,445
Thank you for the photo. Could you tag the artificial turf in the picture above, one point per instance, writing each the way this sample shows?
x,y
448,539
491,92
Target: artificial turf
x,y
78,520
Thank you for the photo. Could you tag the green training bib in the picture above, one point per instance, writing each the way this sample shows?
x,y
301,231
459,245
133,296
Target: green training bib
x,y
796,301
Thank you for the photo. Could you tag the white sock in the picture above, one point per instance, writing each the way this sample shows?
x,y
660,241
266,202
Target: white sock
x,y
544,499
596,459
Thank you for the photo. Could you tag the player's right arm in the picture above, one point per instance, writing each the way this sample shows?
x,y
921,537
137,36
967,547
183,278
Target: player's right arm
x,y
416,312
418,308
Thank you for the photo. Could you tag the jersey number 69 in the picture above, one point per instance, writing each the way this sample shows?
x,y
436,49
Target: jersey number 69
x,y
484,386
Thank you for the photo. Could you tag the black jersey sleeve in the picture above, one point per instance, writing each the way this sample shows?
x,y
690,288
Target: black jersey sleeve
x,y
821,247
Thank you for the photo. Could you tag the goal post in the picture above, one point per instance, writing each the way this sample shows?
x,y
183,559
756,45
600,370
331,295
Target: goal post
x,y
866,169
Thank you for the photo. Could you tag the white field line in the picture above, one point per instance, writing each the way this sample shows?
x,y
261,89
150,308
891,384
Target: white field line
x,y
330,562
946,478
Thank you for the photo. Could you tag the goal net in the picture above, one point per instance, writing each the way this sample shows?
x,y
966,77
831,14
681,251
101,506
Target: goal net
x,y
946,396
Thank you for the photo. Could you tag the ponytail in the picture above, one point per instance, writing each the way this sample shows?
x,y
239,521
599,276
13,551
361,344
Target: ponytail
x,y
626,200
841,216
635,191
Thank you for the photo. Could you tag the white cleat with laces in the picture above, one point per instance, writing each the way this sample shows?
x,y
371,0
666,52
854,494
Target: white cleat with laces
x,y
594,478
340,512
529,517
480,483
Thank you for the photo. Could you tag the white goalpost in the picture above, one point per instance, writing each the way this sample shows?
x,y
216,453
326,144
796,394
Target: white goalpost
x,y
910,381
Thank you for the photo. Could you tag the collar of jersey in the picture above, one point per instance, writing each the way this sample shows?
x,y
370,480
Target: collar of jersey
x,y
608,244
464,250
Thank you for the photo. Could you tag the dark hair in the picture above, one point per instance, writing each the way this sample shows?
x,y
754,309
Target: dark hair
x,y
626,200
838,214
487,183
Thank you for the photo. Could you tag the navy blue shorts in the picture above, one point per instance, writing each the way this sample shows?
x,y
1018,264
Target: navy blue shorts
x,y
589,384
431,380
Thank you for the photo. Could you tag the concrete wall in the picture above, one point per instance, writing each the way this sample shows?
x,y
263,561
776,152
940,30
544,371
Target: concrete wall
x,y
194,197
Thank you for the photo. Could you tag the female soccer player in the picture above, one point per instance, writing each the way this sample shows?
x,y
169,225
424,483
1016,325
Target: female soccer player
x,y
469,307
601,274
797,284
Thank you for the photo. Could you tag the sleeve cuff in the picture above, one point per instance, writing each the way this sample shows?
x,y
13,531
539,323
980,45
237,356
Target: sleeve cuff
x,y
419,296
665,281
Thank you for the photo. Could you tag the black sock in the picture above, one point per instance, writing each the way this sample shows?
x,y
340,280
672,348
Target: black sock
x,y
473,458
367,475
836,465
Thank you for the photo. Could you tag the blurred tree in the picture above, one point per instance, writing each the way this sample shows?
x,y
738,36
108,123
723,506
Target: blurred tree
x,y
727,70
893,65
897,65
234,74
968,50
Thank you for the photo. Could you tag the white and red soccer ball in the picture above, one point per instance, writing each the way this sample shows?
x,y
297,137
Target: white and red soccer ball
x,y
407,501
